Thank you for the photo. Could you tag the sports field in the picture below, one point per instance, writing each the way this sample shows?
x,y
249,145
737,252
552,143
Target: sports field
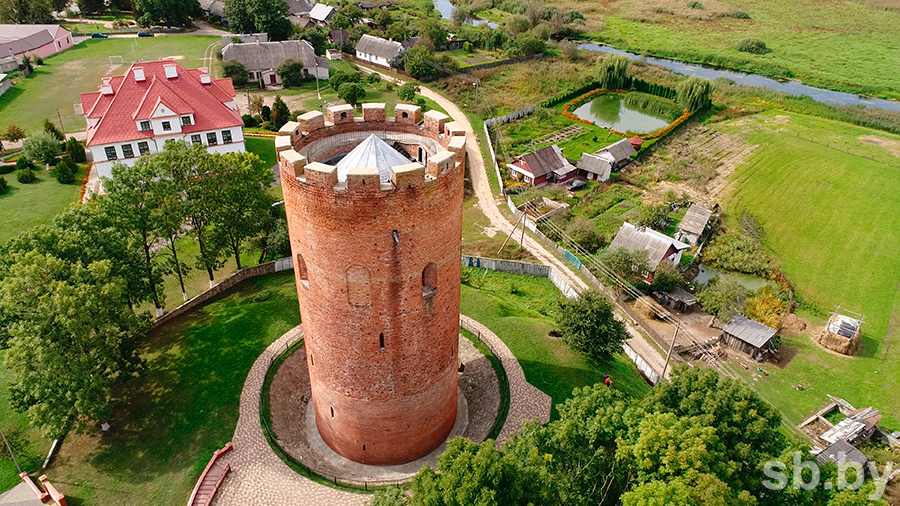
x,y
57,84
825,195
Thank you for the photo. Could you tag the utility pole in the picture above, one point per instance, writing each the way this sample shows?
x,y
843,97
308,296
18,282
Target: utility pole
x,y
61,127
524,222
10,451
671,349
316,58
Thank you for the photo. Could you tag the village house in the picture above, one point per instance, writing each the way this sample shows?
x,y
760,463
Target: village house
x,y
659,247
748,336
694,224
339,36
212,8
321,14
33,40
377,50
546,165
596,167
153,102
261,59
299,8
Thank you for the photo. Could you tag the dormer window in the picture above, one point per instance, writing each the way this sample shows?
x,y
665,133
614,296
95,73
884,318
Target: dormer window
x,y
166,126
186,120
145,125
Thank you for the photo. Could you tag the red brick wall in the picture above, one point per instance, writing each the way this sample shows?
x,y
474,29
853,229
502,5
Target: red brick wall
x,y
400,402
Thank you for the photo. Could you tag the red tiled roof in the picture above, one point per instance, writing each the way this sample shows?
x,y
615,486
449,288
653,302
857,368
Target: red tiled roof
x,y
133,101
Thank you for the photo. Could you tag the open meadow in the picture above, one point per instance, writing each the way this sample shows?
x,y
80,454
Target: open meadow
x,y
57,84
823,196
839,44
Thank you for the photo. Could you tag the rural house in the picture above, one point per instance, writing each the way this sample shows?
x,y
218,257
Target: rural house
x,y
659,247
620,152
35,40
321,14
377,50
546,165
748,336
694,223
261,59
154,102
595,167
298,8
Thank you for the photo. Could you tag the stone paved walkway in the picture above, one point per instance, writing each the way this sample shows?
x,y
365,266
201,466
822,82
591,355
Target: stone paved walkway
x,y
525,400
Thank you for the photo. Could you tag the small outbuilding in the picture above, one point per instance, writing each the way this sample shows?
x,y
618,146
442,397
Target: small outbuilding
x,y
694,224
546,165
679,300
620,152
595,167
841,453
748,336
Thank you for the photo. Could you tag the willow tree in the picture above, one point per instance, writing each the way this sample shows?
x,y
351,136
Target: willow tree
x,y
694,93
612,69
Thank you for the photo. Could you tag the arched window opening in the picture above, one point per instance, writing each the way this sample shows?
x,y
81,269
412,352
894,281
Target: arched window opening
x,y
381,341
429,279
364,447
405,115
302,273
358,286
343,115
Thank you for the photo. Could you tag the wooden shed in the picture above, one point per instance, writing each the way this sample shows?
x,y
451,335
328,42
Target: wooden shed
x,y
748,336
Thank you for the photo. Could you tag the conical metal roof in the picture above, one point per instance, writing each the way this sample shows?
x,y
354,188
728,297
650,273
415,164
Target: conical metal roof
x,y
372,153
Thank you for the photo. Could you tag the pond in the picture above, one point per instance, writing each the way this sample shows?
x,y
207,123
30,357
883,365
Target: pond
x,y
749,282
609,111
446,10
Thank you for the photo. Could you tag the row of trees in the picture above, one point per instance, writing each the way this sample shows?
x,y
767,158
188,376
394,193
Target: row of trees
x,y
699,440
693,94
71,294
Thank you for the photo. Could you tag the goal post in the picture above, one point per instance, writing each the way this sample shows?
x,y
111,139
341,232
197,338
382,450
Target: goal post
x,y
116,60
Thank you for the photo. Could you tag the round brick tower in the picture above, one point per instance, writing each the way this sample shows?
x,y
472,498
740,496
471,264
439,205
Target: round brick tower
x,y
376,258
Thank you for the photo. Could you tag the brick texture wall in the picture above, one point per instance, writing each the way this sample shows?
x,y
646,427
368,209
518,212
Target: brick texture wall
x,y
381,347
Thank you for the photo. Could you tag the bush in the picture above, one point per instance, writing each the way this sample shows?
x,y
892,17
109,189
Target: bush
x,y
339,78
14,133
25,176
75,150
23,163
373,78
738,252
738,15
6,169
236,72
584,232
38,60
249,121
65,170
291,72
4,186
694,93
266,113
42,146
407,92
754,46
695,5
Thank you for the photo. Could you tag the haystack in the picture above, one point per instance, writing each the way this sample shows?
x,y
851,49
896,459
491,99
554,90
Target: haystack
x,y
649,308
841,334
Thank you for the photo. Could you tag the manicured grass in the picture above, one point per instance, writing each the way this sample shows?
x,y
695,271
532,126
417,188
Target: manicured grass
x,y
263,147
842,45
832,220
35,447
56,85
28,205
519,309
185,404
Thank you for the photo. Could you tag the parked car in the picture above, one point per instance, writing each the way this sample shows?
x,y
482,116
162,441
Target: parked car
x,y
145,34
99,36
575,185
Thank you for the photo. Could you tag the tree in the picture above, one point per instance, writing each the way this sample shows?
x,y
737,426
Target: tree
x,y
588,325
65,170
41,146
64,316
166,12
723,298
14,133
256,104
243,200
542,115
317,38
249,16
235,71
351,93
694,93
51,129
583,231
666,278
419,62
407,92
525,45
625,263
339,78
434,30
397,31
88,7
280,113
569,51
612,68
26,11
655,217
459,15
75,149
291,72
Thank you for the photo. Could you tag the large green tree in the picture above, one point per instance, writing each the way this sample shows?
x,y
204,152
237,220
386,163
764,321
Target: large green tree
x,y
588,325
694,93
250,16
71,338
612,69
291,72
26,11
235,71
41,146
419,62
351,93
166,12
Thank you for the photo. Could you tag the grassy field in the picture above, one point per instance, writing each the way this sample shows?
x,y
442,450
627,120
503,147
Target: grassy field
x,y
36,203
831,216
263,147
31,447
840,44
519,309
56,85
525,135
184,406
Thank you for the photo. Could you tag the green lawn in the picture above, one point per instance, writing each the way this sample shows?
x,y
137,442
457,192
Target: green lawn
x,y
31,447
56,85
263,147
832,220
841,44
184,406
28,205
519,309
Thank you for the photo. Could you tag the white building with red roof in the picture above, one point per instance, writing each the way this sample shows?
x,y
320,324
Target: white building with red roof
x,y
154,102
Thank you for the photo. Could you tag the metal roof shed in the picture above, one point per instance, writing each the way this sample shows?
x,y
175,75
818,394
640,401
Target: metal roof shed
x,y
747,335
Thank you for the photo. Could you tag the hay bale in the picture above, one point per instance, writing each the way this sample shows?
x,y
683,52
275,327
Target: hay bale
x,y
648,308
838,343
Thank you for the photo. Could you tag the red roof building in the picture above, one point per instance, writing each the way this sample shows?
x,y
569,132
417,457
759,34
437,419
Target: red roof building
x,y
154,102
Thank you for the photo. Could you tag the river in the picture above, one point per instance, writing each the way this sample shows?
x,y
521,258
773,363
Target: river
x,y
790,87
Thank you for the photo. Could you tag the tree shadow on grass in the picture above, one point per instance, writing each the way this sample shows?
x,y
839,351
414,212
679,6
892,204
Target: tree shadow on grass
x,y
185,405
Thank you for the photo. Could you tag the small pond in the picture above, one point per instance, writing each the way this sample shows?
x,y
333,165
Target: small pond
x,y
610,111
445,7
749,282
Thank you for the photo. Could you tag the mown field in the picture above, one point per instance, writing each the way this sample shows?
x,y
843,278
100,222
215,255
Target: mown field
x,y
28,205
839,44
830,214
57,84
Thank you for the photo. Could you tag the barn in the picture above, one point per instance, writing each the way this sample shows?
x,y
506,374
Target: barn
x,y
748,336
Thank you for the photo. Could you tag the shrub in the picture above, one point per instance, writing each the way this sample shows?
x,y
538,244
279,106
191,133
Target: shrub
x,y
339,78
407,92
694,93
38,60
249,121
23,163
738,15
291,72
42,146
4,186
584,232
754,46
373,78
236,72
280,113
468,47
6,169
14,133
25,176
75,150
51,129
65,170
738,252
266,113
769,306
695,5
